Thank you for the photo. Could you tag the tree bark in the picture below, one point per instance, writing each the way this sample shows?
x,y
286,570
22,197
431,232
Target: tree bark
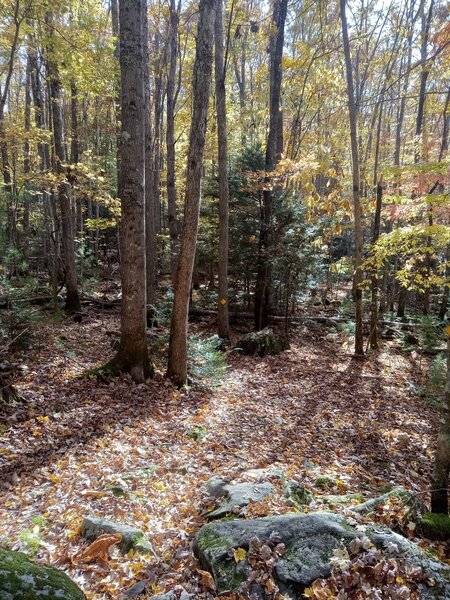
x,y
439,494
170,139
72,298
132,355
223,321
263,291
151,254
353,118
27,161
177,363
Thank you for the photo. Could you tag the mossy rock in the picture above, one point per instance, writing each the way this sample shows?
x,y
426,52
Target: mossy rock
x,y
309,540
341,500
325,483
435,526
263,343
132,538
22,579
296,494
416,507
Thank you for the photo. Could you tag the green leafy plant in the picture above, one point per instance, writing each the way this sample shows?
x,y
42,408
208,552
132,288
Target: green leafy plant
x,y
206,361
433,388
31,537
430,334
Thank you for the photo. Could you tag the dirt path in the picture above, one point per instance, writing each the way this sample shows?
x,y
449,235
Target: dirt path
x,y
312,411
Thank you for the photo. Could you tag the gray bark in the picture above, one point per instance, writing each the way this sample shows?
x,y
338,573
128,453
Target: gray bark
x,y
223,321
353,118
177,363
170,139
68,243
263,290
132,355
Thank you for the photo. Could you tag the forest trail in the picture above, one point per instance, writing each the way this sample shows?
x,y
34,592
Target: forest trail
x,y
142,454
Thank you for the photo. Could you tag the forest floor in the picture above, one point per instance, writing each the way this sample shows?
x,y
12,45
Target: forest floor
x,y
141,454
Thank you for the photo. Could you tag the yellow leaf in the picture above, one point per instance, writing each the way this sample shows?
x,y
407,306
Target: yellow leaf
x,y
309,593
130,553
399,580
159,486
239,554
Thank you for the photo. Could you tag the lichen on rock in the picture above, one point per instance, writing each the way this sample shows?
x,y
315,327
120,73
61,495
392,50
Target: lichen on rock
x,y
23,579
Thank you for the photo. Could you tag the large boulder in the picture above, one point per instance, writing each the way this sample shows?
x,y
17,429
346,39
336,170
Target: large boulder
x,y
263,342
236,496
132,538
23,579
309,541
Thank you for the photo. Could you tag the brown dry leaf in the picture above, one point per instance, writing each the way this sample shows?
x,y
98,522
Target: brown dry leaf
x,y
206,580
98,551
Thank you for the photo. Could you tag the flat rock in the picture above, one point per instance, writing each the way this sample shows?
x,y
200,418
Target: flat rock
x,y
23,579
237,495
310,540
131,536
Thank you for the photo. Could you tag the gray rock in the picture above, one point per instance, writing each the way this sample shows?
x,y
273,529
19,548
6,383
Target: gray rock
x,y
408,498
263,342
171,596
236,495
131,536
22,579
310,540
296,494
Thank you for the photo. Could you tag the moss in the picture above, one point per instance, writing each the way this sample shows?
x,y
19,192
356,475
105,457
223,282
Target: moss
x,y
209,541
140,544
231,575
435,526
325,482
333,500
228,574
22,579
346,525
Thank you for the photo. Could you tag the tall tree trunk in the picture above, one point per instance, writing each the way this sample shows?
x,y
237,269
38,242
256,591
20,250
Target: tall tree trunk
x,y
151,251
68,243
263,290
353,119
439,493
378,185
223,321
420,140
132,355
177,363
27,161
170,139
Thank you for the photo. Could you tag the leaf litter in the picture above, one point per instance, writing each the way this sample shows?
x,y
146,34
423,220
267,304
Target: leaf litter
x,y
125,452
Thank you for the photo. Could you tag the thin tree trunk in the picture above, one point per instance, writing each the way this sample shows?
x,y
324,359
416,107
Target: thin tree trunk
x,y
151,252
170,139
177,363
223,321
132,355
27,161
439,494
72,297
353,118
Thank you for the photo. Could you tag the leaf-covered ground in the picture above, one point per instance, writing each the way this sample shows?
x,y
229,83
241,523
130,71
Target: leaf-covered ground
x,y
141,454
